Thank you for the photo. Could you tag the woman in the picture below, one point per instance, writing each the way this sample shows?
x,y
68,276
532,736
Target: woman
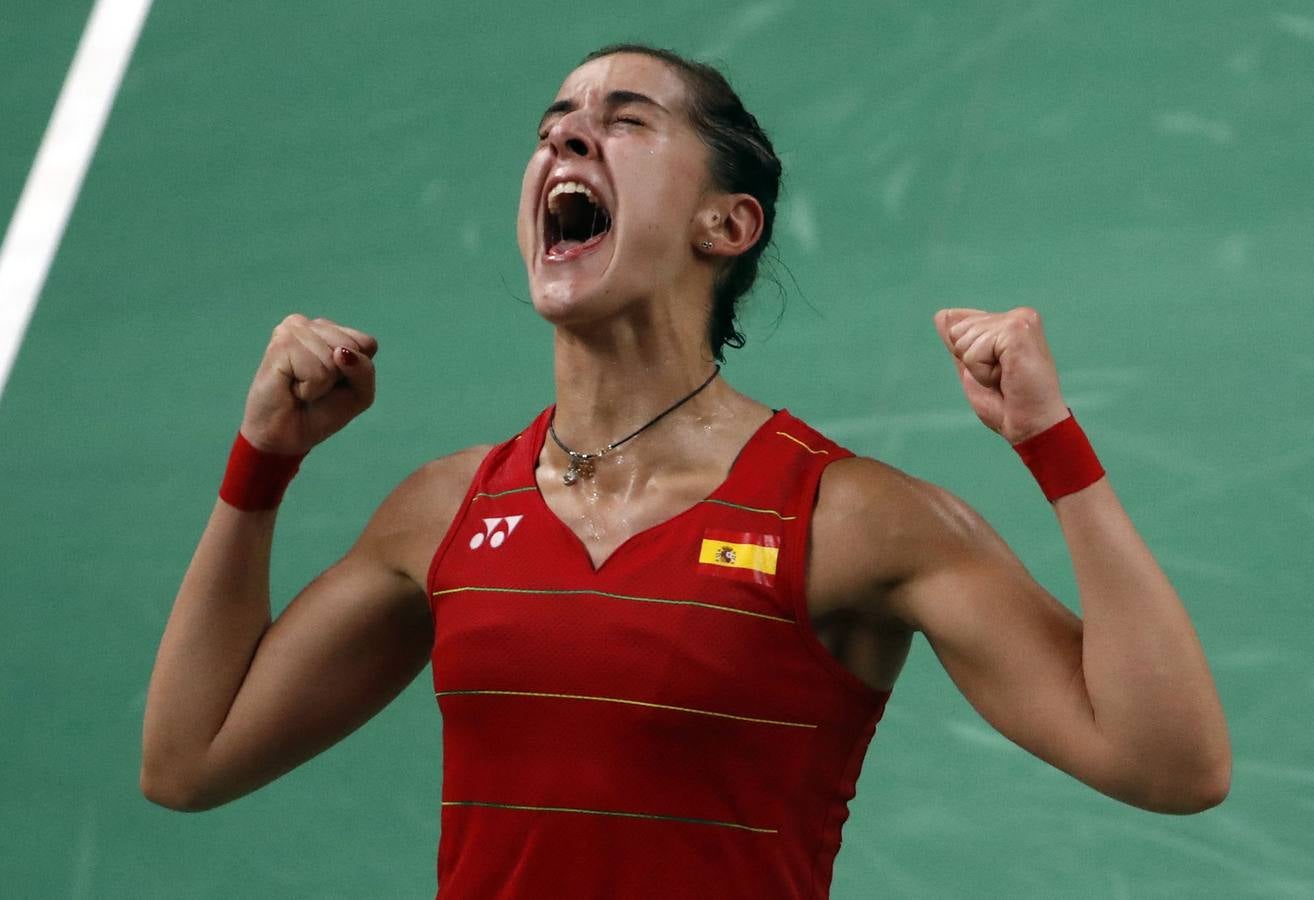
x,y
626,610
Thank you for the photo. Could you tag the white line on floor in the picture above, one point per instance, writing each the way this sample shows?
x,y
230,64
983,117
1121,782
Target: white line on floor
x,y
61,162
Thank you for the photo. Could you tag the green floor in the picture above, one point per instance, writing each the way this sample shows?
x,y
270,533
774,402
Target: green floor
x,y
1139,172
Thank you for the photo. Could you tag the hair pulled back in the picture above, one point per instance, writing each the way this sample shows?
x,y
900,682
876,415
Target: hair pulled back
x,y
742,162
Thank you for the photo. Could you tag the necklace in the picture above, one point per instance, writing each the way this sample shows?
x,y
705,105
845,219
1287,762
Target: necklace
x,y
581,464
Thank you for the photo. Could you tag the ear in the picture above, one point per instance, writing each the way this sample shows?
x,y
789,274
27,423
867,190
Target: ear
x,y
732,223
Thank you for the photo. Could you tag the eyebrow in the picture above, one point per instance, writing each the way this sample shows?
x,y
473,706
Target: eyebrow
x,y
612,100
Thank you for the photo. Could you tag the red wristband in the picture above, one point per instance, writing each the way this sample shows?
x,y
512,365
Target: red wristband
x,y
1061,459
256,479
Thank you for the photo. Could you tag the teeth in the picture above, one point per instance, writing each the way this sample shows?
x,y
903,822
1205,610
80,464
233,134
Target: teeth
x,y
568,187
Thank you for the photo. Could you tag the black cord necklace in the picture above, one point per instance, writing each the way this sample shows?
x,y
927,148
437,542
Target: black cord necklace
x,y
581,464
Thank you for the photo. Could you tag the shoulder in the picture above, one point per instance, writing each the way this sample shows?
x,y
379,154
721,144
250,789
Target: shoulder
x,y
435,488
873,496
409,523
876,528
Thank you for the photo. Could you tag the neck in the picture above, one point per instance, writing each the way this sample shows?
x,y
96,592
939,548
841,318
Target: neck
x,y
611,384
615,376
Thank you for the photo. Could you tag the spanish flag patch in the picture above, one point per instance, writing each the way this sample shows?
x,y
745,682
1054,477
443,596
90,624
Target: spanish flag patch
x,y
739,554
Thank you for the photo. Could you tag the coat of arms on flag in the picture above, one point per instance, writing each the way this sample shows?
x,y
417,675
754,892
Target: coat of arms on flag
x,y
744,555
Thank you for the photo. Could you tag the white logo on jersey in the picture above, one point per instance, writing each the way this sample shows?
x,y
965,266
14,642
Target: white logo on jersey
x,y
494,532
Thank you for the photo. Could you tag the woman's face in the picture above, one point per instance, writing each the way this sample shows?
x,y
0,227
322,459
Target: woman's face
x,y
614,193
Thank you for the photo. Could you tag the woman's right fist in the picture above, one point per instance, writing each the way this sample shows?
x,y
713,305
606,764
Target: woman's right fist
x,y
316,377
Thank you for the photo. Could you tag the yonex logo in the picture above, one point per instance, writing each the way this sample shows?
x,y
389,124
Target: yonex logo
x,y
495,533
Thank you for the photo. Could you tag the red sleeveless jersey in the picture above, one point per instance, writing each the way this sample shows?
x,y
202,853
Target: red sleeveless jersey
x,y
665,726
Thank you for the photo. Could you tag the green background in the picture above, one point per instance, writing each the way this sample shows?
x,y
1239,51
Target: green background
x,y
1140,172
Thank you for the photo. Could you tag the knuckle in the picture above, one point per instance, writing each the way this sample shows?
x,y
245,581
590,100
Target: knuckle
x,y
314,383
321,368
285,328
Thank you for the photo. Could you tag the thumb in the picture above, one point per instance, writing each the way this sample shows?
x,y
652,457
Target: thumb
x,y
942,322
946,319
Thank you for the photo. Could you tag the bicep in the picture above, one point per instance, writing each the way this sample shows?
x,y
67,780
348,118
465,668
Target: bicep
x,y
1011,648
345,647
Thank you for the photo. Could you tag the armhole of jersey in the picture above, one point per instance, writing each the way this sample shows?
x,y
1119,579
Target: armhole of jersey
x,y
796,576
455,525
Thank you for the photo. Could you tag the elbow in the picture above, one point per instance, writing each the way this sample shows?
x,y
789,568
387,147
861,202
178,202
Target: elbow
x,y
1211,779
1195,798
168,793
171,788
1211,788
1193,790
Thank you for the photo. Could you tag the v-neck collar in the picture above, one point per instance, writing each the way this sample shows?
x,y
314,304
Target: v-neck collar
x,y
537,436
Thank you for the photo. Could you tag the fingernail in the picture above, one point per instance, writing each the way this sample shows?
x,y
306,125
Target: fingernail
x,y
348,357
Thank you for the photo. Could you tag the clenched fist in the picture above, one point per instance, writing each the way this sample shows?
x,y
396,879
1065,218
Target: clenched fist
x,y
316,376
1006,369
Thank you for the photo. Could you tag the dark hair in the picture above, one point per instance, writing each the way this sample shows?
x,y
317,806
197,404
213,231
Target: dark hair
x,y
742,161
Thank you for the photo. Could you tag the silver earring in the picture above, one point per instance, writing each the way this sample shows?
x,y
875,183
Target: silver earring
x,y
706,245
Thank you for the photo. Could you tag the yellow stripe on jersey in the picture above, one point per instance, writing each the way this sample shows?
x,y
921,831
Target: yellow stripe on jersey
x,y
585,592
791,437
483,494
739,556
757,509
607,812
621,700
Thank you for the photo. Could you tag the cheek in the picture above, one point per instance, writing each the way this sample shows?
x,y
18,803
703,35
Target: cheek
x,y
526,225
532,176
665,196
682,185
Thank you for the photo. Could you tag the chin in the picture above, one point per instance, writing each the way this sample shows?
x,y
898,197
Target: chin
x,y
566,303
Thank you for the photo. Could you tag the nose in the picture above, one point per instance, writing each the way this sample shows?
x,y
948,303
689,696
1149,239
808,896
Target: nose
x,y
571,136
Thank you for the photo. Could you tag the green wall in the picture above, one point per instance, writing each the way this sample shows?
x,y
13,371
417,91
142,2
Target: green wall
x,y
1140,172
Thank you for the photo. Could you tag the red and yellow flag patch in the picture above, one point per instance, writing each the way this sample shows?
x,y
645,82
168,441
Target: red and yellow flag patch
x,y
739,554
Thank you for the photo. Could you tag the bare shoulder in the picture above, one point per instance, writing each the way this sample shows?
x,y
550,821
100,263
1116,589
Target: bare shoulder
x,y
877,528
438,485
409,523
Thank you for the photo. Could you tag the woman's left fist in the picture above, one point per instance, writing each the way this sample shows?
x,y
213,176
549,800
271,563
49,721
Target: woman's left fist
x,y
1006,369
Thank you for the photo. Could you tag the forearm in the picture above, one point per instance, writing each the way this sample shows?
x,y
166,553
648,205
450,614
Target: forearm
x,y
1150,688
1122,699
218,618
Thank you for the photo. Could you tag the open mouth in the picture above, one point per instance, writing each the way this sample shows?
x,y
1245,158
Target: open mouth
x,y
576,221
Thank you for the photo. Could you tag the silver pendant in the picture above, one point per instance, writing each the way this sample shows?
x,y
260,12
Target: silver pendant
x,y
581,466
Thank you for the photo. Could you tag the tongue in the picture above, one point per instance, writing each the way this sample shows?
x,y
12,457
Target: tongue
x,y
565,245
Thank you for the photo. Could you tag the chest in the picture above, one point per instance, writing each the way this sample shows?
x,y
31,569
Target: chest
x,y
602,521
673,681
520,607
695,581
